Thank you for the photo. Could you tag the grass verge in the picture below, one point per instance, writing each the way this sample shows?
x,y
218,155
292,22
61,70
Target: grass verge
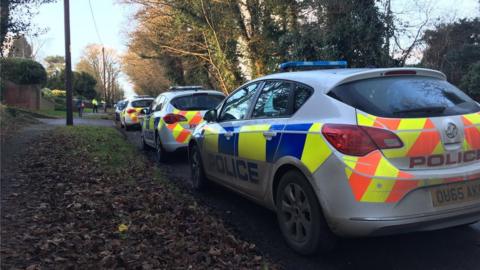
x,y
85,198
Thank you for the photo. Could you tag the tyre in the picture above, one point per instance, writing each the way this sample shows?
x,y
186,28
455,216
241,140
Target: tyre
x,y
300,216
197,175
127,127
160,152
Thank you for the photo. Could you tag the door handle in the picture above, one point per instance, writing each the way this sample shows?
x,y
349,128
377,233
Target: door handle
x,y
269,134
228,135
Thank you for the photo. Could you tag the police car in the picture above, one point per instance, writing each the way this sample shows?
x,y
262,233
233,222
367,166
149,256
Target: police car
x,y
347,152
130,114
171,118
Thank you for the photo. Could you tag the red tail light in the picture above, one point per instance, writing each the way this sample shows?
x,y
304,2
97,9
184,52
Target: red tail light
x,y
358,141
172,118
131,110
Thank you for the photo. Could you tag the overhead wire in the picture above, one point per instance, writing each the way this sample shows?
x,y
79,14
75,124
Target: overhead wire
x,y
95,22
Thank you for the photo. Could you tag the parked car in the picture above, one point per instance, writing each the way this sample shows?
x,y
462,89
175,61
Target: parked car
x,y
119,106
171,118
346,152
129,116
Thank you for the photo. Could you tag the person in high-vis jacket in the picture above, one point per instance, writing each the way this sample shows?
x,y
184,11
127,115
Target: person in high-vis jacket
x,y
95,105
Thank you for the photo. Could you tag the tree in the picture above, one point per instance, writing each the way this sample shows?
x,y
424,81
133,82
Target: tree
x,y
15,17
83,84
223,43
92,62
471,81
147,75
55,64
453,48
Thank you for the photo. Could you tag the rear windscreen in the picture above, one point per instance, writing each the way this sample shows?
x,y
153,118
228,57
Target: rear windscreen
x,y
405,97
197,102
142,103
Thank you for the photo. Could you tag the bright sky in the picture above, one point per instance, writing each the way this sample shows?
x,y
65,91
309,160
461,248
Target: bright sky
x,y
114,19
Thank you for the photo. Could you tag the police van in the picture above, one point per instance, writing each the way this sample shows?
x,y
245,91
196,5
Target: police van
x,y
346,151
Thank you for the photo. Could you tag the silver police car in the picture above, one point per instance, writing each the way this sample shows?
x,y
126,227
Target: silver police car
x,y
168,123
346,152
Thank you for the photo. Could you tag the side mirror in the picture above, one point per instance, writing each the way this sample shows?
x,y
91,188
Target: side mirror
x,y
145,111
210,116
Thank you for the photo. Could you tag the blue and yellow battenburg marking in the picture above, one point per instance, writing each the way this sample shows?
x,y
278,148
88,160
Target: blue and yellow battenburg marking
x,y
302,141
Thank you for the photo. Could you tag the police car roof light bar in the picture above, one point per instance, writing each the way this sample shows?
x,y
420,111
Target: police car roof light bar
x,y
312,65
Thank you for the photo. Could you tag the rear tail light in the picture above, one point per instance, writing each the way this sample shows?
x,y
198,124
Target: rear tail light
x,y
131,110
355,140
173,118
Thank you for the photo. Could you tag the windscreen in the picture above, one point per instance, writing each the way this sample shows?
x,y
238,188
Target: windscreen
x,y
405,97
197,102
142,103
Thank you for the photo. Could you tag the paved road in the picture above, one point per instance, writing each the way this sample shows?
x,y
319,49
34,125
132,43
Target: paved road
x,y
456,248
79,121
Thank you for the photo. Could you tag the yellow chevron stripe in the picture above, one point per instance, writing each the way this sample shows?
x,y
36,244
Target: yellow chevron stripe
x,y
251,142
385,169
315,150
474,118
412,124
366,120
378,190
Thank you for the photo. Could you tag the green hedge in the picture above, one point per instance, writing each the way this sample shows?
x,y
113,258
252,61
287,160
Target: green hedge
x,y
22,71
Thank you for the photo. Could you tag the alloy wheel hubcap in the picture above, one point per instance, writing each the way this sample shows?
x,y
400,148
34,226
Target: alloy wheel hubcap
x,y
296,212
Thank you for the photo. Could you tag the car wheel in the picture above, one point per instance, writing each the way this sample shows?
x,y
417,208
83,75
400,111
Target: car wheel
x,y
160,152
300,216
197,176
128,128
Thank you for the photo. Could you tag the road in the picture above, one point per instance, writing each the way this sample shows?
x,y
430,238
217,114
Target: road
x,y
455,248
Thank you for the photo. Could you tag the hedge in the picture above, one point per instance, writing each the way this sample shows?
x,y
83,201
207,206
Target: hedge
x,y
22,71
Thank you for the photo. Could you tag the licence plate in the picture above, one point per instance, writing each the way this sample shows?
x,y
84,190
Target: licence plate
x,y
455,193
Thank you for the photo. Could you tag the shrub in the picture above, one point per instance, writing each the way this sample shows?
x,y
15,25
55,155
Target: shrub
x,y
59,93
22,71
471,81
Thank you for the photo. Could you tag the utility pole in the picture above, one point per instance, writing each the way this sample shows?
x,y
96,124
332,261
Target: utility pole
x,y
104,79
68,62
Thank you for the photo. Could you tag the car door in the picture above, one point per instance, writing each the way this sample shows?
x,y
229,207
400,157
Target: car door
x,y
219,137
151,120
260,134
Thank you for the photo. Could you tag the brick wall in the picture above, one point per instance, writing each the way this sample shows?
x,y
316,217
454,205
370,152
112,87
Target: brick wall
x,y
24,96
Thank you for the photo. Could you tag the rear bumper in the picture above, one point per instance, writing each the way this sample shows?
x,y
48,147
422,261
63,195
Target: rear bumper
x,y
168,141
131,121
414,212
364,226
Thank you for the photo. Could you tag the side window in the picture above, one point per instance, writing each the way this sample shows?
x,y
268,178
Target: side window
x,y
236,106
160,102
301,94
273,101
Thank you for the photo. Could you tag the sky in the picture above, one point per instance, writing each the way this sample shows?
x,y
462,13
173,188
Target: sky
x,y
114,20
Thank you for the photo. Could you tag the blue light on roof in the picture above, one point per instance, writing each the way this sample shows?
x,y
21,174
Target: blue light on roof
x,y
313,64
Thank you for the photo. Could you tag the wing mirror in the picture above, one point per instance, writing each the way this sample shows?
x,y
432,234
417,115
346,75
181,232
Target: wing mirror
x,y
145,111
210,116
